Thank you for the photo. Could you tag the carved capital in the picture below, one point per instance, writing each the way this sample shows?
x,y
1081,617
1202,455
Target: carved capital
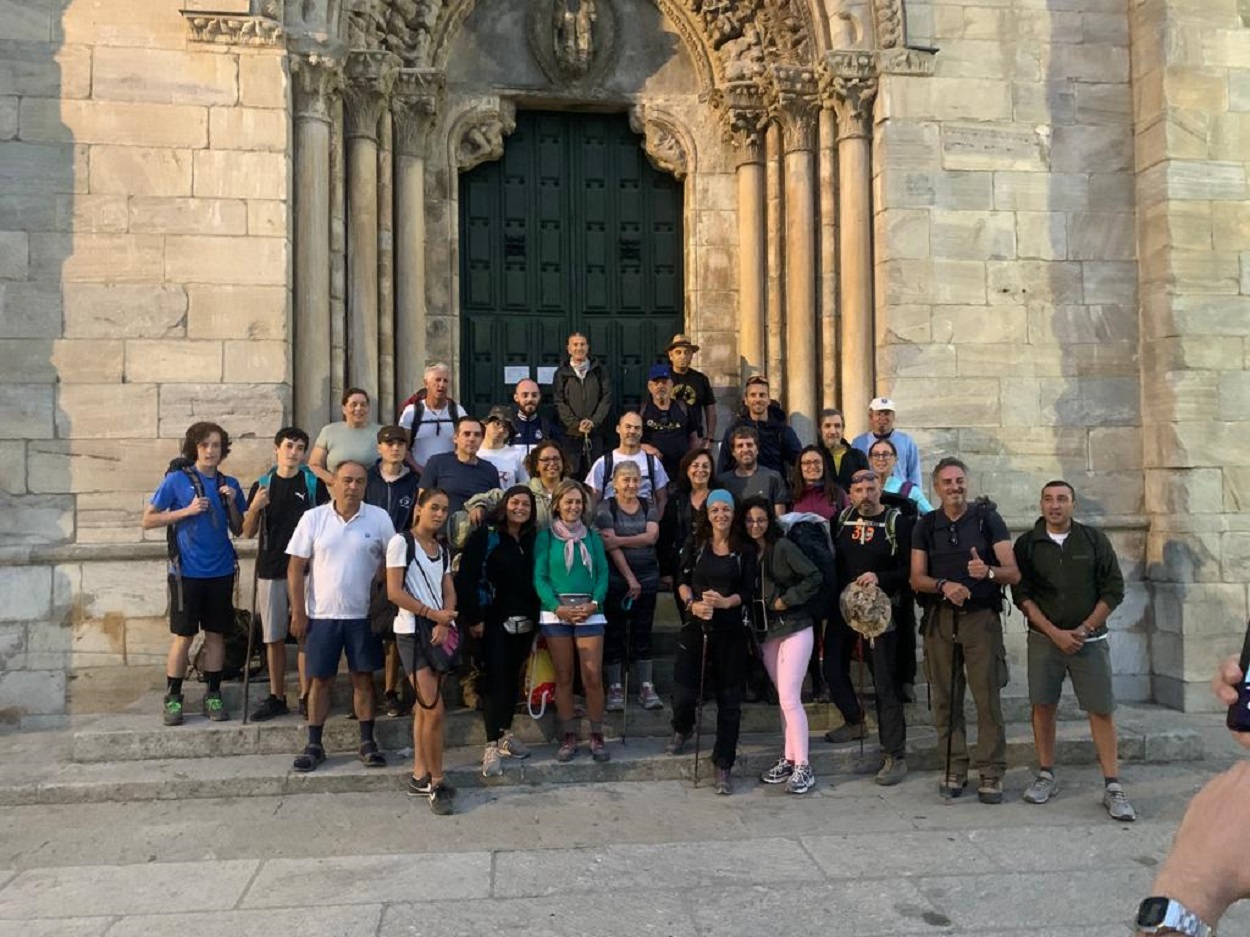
x,y
744,107
414,103
261,27
478,137
662,142
369,78
902,61
794,104
848,84
315,80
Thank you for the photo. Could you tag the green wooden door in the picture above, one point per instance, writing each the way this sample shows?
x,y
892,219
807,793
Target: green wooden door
x,y
573,230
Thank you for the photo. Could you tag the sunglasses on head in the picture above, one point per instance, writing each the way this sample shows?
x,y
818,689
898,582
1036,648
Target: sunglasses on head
x,y
864,476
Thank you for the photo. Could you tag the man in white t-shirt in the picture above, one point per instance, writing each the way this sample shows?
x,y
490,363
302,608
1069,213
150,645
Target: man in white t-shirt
x,y
432,420
654,479
509,460
336,552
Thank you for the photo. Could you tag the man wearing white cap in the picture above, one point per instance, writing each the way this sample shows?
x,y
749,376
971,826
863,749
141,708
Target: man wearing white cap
x,y
881,419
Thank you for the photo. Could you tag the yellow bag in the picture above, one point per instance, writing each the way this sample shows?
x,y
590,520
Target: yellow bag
x,y
540,679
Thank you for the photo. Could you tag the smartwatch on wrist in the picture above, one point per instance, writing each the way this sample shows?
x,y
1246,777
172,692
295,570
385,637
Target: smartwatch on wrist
x,y
989,573
1158,915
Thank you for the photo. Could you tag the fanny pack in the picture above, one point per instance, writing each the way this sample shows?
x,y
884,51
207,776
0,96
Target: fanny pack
x,y
518,624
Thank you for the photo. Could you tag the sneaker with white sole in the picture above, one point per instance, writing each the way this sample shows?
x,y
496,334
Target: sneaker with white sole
x,y
648,698
512,747
492,762
801,780
778,773
1117,803
616,699
1044,787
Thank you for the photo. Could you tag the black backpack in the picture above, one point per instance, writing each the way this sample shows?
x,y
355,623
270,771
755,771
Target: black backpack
x,y
813,539
607,470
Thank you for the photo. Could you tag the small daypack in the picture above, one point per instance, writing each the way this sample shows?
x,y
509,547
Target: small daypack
x,y
812,538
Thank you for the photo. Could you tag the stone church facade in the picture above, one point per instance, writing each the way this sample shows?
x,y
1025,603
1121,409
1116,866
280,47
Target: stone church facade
x,y
1027,221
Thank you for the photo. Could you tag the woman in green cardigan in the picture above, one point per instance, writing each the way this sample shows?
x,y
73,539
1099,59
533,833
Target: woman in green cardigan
x,y
571,578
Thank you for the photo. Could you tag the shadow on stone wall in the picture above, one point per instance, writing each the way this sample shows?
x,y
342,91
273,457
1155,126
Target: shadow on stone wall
x,y
42,173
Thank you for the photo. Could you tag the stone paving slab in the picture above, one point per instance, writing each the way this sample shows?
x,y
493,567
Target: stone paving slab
x,y
655,915
285,883
68,927
357,920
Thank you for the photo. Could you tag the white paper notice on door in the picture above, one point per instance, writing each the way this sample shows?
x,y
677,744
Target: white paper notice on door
x,y
546,375
515,373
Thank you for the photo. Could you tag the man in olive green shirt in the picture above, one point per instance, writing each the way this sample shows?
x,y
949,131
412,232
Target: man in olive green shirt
x,y
1070,582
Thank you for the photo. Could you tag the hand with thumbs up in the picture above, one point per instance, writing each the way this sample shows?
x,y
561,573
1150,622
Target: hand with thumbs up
x,y
977,567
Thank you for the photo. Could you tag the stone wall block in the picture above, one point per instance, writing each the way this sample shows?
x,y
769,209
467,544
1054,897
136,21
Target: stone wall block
x,y
990,147
262,81
907,323
1008,360
92,213
237,312
963,191
8,118
188,216
29,310
97,257
100,465
140,170
242,408
13,467
1192,491
97,310
28,411
980,324
1115,448
238,261
106,411
1095,62
268,218
1070,325
903,233
935,360
48,120
248,128
41,170
1091,401
253,362
120,590
110,517
1038,191
1186,179
1048,103
33,692
1239,89
125,23
973,235
164,77
240,174
167,361
14,255
43,69
27,591
1103,104
1022,282
38,519
942,281
1041,235
1230,225
1102,236
964,401
908,145
1108,282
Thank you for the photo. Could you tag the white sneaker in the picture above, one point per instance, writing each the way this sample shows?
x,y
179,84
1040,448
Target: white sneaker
x,y
512,747
1117,804
1044,787
648,698
802,780
492,765
616,699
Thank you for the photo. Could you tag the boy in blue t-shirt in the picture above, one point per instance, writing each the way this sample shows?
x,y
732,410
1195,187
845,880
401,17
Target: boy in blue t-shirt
x,y
205,507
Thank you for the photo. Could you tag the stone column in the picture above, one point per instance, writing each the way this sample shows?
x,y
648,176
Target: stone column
x,y
745,132
797,115
828,288
853,101
776,260
386,270
369,79
314,78
413,107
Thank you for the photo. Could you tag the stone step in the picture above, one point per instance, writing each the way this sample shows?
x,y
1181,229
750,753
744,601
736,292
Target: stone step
x,y
1147,735
137,735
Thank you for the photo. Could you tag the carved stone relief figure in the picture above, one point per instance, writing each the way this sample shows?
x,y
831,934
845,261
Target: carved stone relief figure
x,y
662,143
573,41
481,135
410,29
573,23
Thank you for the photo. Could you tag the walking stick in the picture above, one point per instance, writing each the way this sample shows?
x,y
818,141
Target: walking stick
x,y
251,621
863,713
698,711
956,663
627,606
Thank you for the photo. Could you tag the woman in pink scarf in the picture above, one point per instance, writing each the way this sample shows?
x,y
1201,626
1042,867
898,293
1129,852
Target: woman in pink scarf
x,y
571,578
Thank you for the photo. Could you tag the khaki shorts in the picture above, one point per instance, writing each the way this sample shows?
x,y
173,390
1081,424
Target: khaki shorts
x,y
273,605
1089,668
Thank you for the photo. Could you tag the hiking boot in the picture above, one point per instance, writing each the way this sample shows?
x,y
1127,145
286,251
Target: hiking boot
x,y
568,748
892,772
648,698
616,699
847,732
724,783
492,763
598,750
173,709
214,708
419,787
952,786
778,773
1043,788
512,747
677,744
802,780
440,799
1117,804
393,705
270,707
990,790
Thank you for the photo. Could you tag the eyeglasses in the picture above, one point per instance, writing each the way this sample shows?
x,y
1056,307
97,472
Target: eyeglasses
x,y
550,460
881,455
756,522
811,463
864,475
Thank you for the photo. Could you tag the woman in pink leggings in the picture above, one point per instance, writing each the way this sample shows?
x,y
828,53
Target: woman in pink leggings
x,y
788,583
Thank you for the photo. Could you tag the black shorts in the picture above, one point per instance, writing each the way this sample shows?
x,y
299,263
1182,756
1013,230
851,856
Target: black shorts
x,y
206,603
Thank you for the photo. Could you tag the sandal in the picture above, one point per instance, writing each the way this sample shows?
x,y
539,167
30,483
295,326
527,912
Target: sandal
x,y
370,757
308,760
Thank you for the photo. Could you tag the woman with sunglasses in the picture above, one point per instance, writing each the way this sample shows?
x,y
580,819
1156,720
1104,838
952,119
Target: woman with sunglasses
x,y
882,457
786,582
814,487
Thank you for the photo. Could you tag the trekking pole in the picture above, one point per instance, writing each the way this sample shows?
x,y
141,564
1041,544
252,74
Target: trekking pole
x,y
627,606
956,663
863,713
698,709
251,622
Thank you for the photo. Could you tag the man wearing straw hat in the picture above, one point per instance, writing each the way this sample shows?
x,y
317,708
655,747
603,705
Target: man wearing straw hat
x,y
692,388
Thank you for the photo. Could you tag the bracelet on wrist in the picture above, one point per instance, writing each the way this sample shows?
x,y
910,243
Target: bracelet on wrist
x,y
941,585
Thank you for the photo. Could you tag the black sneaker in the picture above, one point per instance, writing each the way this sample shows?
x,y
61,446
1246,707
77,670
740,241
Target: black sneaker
x,y
173,709
214,708
393,706
270,707
419,787
440,800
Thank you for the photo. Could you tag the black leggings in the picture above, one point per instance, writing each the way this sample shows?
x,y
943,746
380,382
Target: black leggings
x,y
640,618
726,661
503,655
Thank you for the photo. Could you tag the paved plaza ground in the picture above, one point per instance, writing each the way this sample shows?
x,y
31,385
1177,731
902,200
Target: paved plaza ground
x,y
641,858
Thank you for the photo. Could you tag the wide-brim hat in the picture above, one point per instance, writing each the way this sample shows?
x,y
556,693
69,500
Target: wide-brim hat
x,y
500,414
681,341
866,609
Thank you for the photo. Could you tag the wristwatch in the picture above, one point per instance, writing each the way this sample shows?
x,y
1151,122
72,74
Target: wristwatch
x,y
1158,915
989,573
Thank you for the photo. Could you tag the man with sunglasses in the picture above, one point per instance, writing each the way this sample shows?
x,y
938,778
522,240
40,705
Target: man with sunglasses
x,y
961,559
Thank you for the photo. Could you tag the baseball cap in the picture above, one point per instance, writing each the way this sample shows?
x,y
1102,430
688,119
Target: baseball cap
x,y
659,372
882,403
392,434
500,414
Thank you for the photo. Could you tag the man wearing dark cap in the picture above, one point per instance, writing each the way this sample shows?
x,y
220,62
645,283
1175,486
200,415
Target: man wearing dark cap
x,y
508,459
692,388
668,429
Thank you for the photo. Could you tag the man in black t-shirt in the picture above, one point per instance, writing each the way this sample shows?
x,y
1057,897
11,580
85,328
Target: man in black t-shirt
x,y
692,388
275,504
961,558
668,429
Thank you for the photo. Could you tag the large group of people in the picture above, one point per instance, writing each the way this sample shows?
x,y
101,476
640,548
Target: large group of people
x,y
445,536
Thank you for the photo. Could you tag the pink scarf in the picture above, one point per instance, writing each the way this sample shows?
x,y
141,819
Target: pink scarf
x,y
573,536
